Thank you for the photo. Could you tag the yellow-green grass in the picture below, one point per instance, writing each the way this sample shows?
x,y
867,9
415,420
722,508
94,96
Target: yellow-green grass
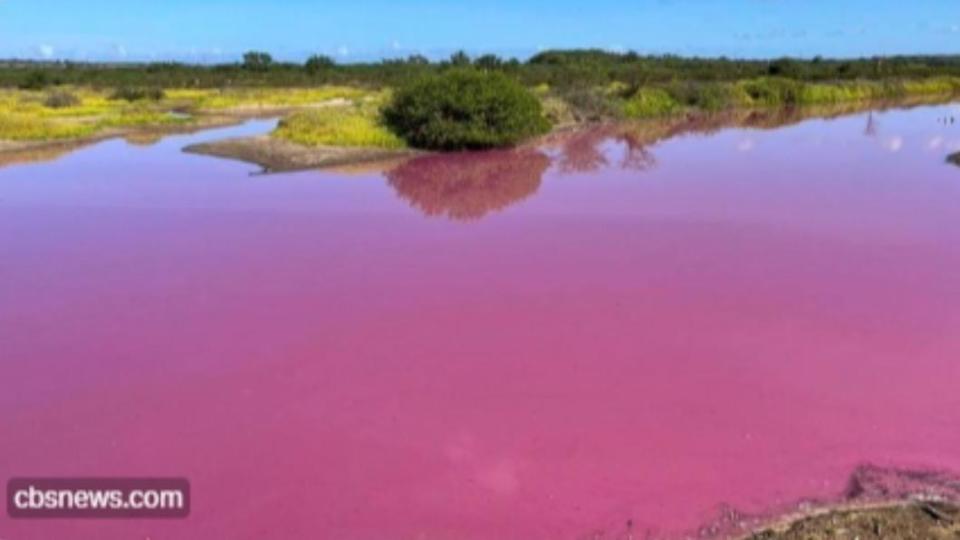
x,y
649,102
665,100
214,99
26,116
25,127
355,125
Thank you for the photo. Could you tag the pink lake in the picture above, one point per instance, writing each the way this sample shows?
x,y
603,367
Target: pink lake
x,y
593,337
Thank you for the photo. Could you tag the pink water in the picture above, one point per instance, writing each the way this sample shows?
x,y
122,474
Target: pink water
x,y
537,344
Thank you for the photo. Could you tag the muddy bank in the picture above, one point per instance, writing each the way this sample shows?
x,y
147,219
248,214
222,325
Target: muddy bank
x,y
919,520
878,503
279,155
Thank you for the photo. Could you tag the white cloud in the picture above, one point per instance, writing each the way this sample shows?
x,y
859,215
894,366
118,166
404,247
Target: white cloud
x,y
343,50
46,51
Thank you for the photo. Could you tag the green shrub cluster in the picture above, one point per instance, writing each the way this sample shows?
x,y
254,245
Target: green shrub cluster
x,y
465,109
138,94
650,102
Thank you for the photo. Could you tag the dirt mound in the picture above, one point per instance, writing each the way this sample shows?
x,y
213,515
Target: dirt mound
x,y
919,520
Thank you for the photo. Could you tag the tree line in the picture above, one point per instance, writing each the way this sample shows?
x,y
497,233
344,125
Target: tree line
x,y
559,69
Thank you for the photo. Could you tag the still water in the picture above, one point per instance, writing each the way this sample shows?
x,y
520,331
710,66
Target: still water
x,y
618,333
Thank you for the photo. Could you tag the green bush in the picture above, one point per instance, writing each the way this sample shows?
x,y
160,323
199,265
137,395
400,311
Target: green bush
x,y
707,96
138,94
649,102
773,91
61,99
465,109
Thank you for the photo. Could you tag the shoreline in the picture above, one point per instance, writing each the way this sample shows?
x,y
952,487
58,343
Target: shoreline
x,y
927,518
278,155
12,152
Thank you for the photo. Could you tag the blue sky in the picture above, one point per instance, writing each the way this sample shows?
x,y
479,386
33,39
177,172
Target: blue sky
x,y
220,30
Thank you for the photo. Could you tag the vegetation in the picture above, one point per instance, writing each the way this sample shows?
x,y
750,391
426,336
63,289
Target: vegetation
x,y
651,101
465,109
68,112
357,124
318,63
559,69
73,113
138,94
246,98
257,61
61,99
461,102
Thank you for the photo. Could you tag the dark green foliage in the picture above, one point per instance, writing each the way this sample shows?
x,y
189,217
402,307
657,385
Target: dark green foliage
x,y
488,62
559,69
318,63
35,80
774,91
418,60
257,61
465,109
707,96
459,59
137,94
60,99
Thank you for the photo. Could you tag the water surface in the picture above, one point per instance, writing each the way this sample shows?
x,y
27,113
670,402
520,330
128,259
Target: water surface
x,y
611,333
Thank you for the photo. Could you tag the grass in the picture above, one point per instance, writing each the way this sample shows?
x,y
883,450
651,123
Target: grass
x,y
25,127
355,125
679,97
650,102
30,115
218,100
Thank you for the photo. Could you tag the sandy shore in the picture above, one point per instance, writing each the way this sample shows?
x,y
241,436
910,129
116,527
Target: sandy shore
x,y
279,155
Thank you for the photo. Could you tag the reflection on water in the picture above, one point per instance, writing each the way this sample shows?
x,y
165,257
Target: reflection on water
x,y
20,156
469,186
584,150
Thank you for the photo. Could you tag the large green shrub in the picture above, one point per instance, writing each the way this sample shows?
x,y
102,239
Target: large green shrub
x,y
465,109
